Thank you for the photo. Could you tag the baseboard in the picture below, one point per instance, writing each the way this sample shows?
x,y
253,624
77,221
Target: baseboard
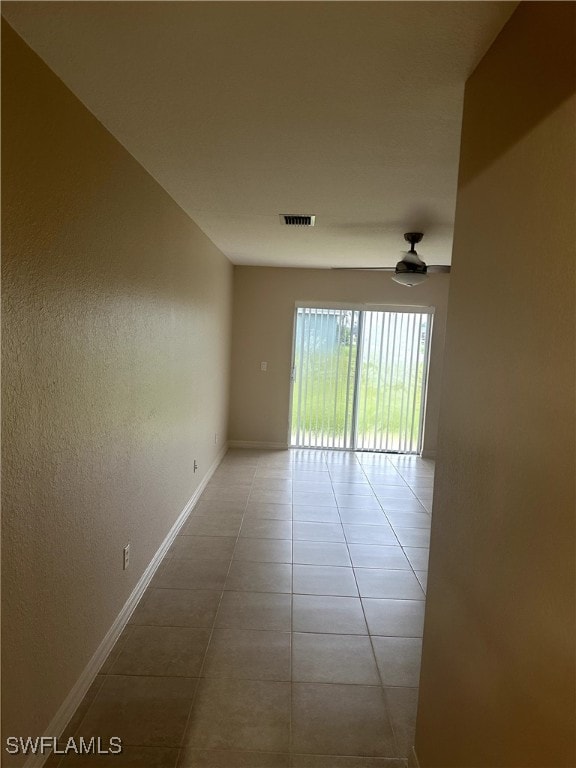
x,y
413,759
72,701
257,445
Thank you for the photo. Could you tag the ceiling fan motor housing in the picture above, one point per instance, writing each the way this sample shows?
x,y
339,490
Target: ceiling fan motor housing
x,y
403,267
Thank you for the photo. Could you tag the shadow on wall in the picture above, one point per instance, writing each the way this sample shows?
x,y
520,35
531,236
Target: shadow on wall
x,y
498,667
115,356
533,92
84,240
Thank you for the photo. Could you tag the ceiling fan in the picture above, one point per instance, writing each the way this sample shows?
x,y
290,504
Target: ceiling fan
x,y
411,270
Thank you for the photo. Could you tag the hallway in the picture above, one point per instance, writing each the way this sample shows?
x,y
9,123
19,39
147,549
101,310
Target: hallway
x,y
178,180
283,627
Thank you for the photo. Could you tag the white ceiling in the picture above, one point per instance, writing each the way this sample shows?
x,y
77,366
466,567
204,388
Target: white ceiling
x,y
244,110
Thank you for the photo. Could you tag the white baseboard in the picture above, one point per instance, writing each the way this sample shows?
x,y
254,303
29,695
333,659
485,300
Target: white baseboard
x,y
72,701
257,445
413,759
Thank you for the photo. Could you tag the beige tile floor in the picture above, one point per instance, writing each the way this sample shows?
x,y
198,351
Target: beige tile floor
x,y
283,627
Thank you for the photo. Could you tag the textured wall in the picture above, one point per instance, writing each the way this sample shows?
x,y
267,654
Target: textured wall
x,y
264,301
498,677
115,367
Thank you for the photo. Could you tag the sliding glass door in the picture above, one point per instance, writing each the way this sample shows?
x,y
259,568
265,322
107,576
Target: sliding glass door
x,y
323,375
359,379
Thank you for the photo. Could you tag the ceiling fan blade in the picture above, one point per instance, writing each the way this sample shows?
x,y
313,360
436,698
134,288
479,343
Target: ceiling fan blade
x,y
439,268
367,269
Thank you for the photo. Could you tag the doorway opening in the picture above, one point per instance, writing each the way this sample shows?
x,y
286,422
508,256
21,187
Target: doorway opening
x,y
359,378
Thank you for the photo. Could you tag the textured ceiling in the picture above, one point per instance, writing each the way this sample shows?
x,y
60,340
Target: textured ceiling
x,y
244,110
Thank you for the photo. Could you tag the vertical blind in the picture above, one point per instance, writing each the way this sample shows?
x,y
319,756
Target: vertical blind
x,y
359,379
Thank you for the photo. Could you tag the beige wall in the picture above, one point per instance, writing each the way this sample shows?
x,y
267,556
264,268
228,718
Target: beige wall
x,y
263,320
498,677
115,366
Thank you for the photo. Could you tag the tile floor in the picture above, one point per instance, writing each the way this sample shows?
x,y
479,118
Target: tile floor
x,y
283,627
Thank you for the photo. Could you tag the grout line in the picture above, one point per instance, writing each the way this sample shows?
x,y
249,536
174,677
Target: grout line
x,y
194,697
375,659
79,726
271,631
254,474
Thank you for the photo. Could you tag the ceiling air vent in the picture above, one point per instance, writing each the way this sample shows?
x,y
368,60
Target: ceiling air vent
x,y
297,220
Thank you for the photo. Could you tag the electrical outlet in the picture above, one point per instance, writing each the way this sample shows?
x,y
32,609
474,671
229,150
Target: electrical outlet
x,y
195,466
263,366
215,438
126,557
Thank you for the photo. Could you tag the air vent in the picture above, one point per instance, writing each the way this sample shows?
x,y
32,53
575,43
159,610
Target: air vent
x,y
297,220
